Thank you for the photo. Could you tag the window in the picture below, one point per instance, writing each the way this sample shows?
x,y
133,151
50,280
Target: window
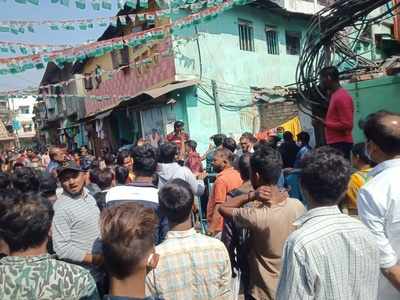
x,y
24,110
293,42
246,35
271,36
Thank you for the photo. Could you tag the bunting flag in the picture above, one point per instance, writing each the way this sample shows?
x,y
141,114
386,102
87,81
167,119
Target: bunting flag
x,y
108,5
14,65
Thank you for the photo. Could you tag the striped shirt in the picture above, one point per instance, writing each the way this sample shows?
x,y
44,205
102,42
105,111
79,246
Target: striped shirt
x,y
331,256
75,227
192,266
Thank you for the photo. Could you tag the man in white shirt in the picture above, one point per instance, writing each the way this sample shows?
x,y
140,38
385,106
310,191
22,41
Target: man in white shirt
x,y
379,199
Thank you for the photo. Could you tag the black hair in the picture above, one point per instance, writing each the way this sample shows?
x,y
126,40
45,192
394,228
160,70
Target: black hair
x,y
167,152
48,185
331,71
25,220
176,200
385,136
145,158
358,151
191,144
267,162
262,143
25,180
108,159
288,136
218,139
121,157
230,144
325,175
104,178
244,166
93,175
303,137
179,124
4,181
121,174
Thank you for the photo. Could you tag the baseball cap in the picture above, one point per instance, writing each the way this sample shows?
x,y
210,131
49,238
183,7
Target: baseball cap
x,y
68,165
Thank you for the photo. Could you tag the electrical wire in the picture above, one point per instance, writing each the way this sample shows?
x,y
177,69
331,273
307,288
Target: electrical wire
x,y
327,43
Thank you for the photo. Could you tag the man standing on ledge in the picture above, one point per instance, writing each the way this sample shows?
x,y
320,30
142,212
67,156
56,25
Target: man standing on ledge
x,y
339,118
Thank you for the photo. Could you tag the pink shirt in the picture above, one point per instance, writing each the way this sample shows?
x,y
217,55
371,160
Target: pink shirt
x,y
339,119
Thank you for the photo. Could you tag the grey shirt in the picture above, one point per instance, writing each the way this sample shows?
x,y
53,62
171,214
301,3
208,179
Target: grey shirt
x,y
75,228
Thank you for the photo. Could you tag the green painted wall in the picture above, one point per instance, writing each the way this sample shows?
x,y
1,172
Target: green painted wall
x,y
372,95
234,70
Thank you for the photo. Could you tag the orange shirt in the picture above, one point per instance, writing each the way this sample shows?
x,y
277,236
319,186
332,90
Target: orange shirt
x,y
228,180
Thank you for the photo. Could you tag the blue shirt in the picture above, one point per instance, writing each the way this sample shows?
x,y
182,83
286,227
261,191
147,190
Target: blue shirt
x,y
300,155
53,165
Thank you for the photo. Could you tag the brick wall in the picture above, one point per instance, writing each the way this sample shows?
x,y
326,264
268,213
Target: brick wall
x,y
276,113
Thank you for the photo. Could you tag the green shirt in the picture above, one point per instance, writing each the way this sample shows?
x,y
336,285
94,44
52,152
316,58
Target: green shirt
x,y
45,278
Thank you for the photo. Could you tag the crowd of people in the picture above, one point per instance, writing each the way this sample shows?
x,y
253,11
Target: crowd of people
x,y
284,221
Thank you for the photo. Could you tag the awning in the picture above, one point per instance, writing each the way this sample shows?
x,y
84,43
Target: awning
x,y
104,115
157,92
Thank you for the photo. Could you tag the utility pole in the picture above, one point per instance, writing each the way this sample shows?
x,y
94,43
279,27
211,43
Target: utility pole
x,y
216,105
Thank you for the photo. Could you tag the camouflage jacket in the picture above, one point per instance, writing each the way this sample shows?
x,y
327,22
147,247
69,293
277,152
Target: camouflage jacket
x,y
45,278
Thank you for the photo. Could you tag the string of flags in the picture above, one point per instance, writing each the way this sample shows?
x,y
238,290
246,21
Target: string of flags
x,y
26,48
109,5
14,65
20,27
105,74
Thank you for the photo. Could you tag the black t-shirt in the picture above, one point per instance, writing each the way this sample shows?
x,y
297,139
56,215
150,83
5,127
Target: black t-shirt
x,y
289,152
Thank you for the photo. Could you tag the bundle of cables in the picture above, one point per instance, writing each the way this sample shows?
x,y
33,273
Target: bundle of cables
x,y
327,42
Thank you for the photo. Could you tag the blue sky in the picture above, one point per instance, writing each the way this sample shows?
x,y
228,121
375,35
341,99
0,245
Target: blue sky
x,y
11,10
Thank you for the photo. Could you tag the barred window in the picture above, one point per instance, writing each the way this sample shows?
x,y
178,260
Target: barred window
x,y
271,36
246,35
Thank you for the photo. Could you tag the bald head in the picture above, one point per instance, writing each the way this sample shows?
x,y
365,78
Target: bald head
x,y
383,129
56,154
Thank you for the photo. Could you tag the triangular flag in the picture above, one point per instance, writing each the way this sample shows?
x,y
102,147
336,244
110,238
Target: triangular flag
x,y
14,30
131,3
81,4
4,28
23,50
54,26
121,4
103,23
122,20
143,3
83,26
113,22
106,4
95,5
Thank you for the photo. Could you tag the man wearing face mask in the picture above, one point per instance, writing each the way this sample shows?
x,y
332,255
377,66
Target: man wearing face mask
x,y
379,198
75,227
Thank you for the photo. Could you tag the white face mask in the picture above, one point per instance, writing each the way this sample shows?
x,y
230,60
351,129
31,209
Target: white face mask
x,y
367,154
